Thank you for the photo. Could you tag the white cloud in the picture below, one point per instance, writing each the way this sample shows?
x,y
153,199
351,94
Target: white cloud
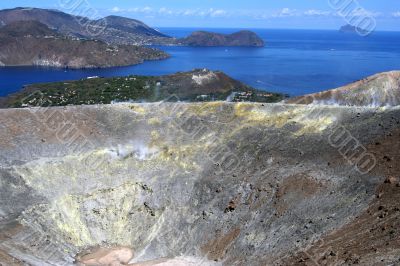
x,y
146,9
116,9
396,14
206,12
218,13
170,12
189,12
285,12
361,12
313,12
165,11
248,14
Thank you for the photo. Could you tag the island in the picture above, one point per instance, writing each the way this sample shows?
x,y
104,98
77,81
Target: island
x,y
353,29
241,38
117,30
32,43
199,85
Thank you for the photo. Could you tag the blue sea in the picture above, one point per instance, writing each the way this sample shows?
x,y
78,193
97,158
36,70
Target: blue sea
x,y
295,62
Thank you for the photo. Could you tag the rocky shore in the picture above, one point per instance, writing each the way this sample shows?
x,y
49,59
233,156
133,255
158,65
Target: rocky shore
x,y
31,43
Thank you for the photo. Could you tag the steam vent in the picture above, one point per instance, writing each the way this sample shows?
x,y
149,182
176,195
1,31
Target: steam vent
x,y
200,184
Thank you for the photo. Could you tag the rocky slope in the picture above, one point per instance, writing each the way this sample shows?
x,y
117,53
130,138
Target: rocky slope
x,y
132,26
112,29
378,90
241,38
197,85
31,43
121,30
206,183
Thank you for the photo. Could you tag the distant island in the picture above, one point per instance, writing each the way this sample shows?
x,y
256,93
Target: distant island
x,y
31,43
118,30
200,85
353,29
241,38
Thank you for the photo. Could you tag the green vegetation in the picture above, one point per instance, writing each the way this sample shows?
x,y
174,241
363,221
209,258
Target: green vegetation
x,y
88,91
135,88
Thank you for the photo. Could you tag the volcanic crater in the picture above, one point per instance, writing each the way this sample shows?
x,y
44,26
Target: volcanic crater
x,y
199,184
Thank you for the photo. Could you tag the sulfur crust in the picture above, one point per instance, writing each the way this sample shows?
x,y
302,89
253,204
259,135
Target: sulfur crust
x,y
302,116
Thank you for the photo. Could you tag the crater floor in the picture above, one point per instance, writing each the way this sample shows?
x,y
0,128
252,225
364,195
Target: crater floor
x,y
199,184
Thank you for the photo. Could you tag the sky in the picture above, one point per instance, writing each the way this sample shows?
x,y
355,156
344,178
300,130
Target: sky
x,y
290,14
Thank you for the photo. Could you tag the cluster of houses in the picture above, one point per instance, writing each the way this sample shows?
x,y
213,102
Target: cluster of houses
x,y
246,96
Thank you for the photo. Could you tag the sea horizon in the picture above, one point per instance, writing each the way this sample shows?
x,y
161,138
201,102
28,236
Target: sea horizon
x,y
262,28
